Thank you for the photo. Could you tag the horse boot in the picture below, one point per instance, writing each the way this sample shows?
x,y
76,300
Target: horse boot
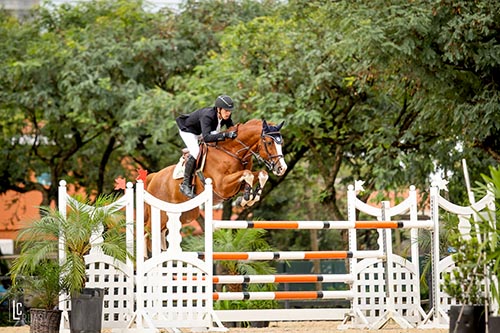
x,y
186,186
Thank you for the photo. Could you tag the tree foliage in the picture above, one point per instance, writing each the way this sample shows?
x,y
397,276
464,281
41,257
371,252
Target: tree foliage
x,y
71,75
388,93
67,87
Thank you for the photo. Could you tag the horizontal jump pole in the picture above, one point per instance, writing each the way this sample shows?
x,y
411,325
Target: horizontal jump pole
x,y
293,255
283,295
291,278
227,224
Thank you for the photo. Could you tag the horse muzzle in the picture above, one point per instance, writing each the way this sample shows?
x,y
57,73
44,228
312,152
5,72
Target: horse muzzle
x,y
280,168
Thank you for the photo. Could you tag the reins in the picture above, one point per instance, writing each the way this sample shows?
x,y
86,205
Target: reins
x,y
244,152
230,153
268,163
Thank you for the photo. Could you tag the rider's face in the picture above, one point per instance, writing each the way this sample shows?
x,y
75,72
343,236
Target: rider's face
x,y
224,114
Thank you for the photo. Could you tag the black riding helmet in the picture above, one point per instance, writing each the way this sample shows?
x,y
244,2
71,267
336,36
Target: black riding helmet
x,y
224,102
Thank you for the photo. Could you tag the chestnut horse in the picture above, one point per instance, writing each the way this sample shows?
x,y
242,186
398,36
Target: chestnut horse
x,y
229,164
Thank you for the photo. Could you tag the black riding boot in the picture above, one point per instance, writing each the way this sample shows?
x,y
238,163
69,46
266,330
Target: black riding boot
x,y
186,187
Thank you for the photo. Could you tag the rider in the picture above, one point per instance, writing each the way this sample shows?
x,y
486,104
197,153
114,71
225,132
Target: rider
x,y
203,124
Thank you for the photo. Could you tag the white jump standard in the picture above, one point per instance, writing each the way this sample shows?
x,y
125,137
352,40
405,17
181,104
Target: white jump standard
x,y
174,289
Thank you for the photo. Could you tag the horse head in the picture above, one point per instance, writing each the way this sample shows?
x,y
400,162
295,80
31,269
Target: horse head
x,y
270,149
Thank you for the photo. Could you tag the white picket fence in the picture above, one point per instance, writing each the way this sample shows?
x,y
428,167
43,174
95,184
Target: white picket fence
x,y
174,289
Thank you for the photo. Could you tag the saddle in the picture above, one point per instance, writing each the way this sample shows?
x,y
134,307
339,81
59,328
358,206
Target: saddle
x,y
200,163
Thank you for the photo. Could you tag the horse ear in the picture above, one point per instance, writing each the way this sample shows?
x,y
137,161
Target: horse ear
x,y
264,124
281,125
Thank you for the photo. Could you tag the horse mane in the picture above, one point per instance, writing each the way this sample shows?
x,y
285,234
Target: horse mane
x,y
250,122
251,128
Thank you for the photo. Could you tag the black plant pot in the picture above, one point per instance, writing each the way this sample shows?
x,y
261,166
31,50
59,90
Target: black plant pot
x,y
259,324
471,321
230,324
494,324
86,311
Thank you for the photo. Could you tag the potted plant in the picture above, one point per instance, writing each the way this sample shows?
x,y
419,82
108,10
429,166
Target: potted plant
x,y
85,226
40,293
466,284
476,263
489,225
246,240
261,304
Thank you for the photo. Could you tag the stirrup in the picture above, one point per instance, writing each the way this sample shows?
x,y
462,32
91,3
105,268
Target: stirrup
x,y
187,191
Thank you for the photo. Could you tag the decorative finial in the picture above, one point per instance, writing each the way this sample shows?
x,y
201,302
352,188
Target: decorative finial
x,y
358,186
440,183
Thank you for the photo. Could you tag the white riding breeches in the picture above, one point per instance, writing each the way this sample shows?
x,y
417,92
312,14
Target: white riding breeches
x,y
192,142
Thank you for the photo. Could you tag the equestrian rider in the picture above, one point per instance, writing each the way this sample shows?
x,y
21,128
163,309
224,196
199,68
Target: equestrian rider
x,y
203,124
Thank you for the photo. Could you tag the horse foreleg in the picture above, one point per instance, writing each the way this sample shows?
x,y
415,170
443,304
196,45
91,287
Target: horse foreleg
x,y
263,177
257,192
247,177
250,195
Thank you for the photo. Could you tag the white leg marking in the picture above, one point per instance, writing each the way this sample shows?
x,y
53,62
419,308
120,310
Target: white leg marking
x,y
263,177
248,178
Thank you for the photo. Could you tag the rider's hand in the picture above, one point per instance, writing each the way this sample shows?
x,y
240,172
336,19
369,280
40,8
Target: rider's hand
x,y
230,135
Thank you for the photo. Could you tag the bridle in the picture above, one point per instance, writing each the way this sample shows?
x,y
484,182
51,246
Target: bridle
x,y
270,162
248,151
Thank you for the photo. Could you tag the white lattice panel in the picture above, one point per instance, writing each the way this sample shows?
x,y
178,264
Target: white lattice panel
x,y
445,301
370,287
118,283
176,294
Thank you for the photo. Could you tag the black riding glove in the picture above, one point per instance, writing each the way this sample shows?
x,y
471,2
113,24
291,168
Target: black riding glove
x,y
230,135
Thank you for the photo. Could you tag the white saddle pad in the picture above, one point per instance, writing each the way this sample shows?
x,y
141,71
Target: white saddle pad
x,y
179,169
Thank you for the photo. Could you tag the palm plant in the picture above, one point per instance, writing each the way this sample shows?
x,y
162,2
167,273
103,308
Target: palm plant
x,y
41,289
240,240
45,285
447,231
479,260
85,225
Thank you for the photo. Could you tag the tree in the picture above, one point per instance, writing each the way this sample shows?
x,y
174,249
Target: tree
x,y
362,86
365,88
301,70
447,54
66,88
70,75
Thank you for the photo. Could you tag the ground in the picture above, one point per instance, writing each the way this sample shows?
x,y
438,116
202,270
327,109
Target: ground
x,y
280,327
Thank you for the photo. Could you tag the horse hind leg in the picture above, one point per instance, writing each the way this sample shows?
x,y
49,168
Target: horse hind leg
x,y
148,248
147,252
